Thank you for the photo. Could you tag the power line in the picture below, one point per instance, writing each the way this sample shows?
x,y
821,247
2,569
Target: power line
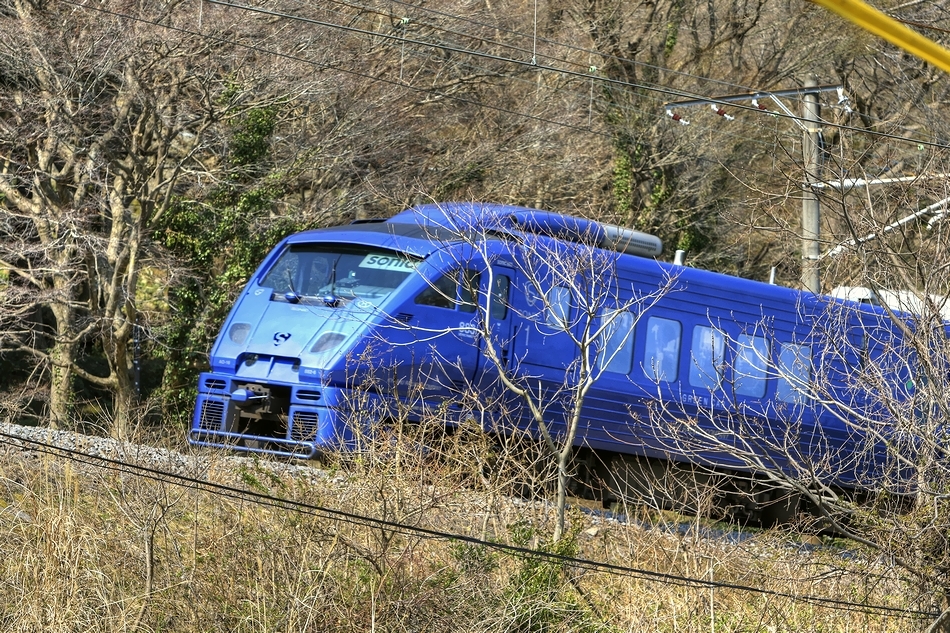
x,y
555,43
542,39
300,507
288,56
587,76
363,8
452,49
680,94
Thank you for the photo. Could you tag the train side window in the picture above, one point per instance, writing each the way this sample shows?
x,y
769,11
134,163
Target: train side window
x,y
615,352
440,294
662,350
794,373
862,347
468,290
752,358
558,311
708,353
499,296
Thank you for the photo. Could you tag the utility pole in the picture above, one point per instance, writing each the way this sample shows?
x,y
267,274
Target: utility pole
x,y
809,123
811,214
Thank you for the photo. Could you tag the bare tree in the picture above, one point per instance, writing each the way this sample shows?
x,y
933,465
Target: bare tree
x,y
856,430
548,315
106,116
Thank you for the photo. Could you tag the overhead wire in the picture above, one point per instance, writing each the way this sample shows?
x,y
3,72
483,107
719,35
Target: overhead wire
x,y
461,99
579,75
535,53
541,39
679,94
297,58
556,43
643,86
301,507
424,90
479,54
342,69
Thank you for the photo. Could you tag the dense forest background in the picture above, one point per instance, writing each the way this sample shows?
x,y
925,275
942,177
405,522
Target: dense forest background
x,y
151,154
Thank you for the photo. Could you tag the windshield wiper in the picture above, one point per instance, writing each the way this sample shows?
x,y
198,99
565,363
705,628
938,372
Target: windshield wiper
x,y
331,300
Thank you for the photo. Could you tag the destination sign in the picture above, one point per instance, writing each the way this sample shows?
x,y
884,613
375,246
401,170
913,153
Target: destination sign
x,y
385,261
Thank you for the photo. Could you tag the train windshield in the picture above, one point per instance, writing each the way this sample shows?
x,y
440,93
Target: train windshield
x,y
317,272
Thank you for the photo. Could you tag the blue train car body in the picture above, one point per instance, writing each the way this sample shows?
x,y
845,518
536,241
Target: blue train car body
x,y
337,317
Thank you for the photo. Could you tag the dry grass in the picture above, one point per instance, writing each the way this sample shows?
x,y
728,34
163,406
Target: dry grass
x,y
89,550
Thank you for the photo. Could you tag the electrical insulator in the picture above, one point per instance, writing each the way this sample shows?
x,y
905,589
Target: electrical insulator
x,y
677,117
721,112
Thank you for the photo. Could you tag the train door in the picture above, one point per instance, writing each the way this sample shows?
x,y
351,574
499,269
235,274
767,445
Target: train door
x,y
496,287
434,337
544,340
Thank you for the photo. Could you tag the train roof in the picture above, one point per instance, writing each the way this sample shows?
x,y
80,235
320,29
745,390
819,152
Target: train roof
x,y
424,229
414,239
488,218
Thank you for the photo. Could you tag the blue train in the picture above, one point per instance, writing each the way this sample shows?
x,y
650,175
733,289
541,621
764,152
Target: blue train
x,y
692,368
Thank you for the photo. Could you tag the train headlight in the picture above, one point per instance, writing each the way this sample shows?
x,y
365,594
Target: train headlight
x,y
238,332
327,342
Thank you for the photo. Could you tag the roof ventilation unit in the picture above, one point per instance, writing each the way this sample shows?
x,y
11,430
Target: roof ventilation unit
x,y
574,229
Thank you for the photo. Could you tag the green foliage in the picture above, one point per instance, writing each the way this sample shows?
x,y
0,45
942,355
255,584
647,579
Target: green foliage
x,y
541,592
623,184
646,212
662,187
232,90
456,183
260,479
250,143
223,245
474,558
691,237
672,32
631,168
223,239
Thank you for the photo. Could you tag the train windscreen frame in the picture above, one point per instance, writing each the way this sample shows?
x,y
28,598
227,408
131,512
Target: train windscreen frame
x,y
320,272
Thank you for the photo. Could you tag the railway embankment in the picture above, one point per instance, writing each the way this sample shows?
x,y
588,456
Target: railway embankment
x,y
115,535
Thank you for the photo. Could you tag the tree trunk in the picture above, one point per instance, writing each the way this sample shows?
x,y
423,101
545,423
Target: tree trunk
x,y
61,357
60,393
121,380
941,624
563,480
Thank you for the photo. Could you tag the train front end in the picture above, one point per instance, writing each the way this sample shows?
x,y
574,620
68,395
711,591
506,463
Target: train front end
x,y
282,368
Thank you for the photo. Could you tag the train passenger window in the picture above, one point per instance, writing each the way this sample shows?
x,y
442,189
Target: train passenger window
x,y
794,373
615,352
440,294
558,311
752,358
708,353
499,296
662,351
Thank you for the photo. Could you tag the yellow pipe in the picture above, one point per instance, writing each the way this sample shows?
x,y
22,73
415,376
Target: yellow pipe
x,y
874,21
